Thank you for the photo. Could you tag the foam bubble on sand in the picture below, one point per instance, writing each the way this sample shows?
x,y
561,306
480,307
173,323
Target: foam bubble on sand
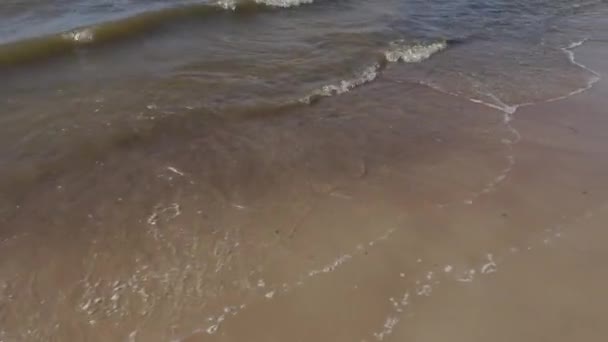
x,y
217,321
164,213
467,277
175,170
382,237
332,266
169,173
424,290
490,266
394,302
387,329
392,319
405,299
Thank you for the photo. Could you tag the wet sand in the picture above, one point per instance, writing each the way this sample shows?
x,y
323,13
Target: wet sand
x,y
524,261
441,221
550,287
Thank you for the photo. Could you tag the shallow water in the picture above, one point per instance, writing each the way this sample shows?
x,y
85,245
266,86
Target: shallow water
x,y
126,63
164,165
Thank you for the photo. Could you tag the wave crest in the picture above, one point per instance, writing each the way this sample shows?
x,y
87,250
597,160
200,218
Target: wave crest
x,y
86,35
233,4
367,75
400,51
56,44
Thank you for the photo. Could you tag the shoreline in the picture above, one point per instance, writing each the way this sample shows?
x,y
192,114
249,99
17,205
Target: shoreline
x,y
412,216
485,301
552,289
492,309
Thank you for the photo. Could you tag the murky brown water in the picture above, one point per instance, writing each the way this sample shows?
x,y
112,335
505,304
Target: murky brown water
x,y
366,178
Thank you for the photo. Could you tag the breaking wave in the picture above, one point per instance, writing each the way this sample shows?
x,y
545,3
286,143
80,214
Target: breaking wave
x,y
367,75
398,51
233,4
41,47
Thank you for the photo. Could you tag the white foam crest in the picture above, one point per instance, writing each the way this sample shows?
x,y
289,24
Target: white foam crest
x,y
227,4
85,35
284,3
399,51
586,4
233,4
367,75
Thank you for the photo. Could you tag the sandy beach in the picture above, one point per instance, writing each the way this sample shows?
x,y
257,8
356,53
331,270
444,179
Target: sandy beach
x,y
264,187
381,248
523,262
